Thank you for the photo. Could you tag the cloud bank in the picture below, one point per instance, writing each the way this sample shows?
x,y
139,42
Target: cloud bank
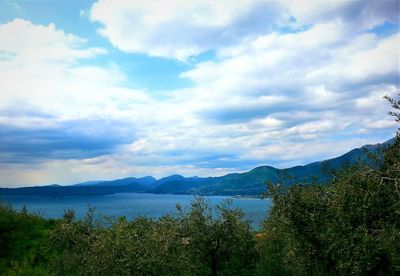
x,y
286,84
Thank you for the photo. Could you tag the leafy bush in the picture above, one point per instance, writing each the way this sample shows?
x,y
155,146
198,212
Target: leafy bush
x,y
23,242
351,226
198,241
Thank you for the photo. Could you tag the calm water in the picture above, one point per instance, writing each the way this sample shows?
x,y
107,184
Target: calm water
x,y
130,205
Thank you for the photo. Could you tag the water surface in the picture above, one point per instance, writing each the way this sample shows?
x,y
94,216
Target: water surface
x,y
131,205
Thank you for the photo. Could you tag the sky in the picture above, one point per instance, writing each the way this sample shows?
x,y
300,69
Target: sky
x,y
108,89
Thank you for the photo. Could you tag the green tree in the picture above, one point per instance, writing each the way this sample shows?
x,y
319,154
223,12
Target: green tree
x,y
23,242
217,241
351,226
197,241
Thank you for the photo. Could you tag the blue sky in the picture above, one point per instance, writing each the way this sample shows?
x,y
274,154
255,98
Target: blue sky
x,y
108,89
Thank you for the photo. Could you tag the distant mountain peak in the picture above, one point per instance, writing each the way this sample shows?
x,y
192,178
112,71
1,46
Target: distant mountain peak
x,y
247,183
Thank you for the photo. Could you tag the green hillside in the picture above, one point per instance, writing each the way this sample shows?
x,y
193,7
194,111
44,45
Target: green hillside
x,y
252,183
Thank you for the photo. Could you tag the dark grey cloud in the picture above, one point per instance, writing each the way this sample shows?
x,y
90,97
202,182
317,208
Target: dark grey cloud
x,y
371,10
359,14
23,111
77,139
206,158
235,114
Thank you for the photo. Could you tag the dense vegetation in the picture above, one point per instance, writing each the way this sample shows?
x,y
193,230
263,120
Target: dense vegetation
x,y
196,241
351,226
24,242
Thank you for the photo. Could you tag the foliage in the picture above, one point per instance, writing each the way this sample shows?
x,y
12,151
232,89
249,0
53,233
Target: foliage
x,y
23,242
395,103
216,242
198,241
351,226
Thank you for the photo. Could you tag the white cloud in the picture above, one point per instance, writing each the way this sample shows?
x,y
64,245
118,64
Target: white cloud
x,y
380,60
295,152
377,59
268,98
45,70
178,28
27,43
316,89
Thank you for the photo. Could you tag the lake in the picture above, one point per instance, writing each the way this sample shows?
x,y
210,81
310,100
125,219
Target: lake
x,y
131,205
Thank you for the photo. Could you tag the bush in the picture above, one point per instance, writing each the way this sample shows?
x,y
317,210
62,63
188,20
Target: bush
x,y
197,241
351,226
23,242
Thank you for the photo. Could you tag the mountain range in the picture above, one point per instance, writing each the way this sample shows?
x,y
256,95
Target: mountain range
x,y
251,183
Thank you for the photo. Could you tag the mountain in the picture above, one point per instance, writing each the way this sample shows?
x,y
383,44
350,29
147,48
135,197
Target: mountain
x,y
174,177
253,181
59,191
147,181
88,183
250,183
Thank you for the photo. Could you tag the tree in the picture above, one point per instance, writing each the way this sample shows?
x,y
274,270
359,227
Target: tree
x,y
217,241
395,105
199,240
351,226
